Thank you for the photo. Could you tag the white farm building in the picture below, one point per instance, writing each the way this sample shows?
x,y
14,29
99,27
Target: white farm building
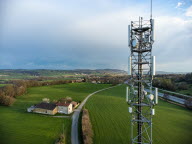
x,y
64,107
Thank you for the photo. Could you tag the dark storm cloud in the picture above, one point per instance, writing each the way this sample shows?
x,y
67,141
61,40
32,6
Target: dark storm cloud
x,y
87,34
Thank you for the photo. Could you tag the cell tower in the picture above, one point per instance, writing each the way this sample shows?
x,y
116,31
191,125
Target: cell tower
x,y
141,68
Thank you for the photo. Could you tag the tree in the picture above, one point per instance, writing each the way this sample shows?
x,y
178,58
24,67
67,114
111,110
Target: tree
x,y
9,90
188,78
68,99
7,100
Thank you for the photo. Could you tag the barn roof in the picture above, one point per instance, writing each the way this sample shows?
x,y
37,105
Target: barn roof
x,y
63,104
48,106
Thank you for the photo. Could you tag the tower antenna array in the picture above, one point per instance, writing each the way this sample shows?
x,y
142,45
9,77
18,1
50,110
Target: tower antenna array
x,y
140,94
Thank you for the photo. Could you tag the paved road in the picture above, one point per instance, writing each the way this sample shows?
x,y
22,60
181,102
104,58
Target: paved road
x,y
170,97
75,118
173,98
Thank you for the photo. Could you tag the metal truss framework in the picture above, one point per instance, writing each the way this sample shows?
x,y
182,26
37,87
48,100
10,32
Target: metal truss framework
x,y
141,40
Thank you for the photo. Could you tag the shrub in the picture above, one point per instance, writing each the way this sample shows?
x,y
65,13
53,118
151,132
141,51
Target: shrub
x,y
61,139
9,90
87,128
7,100
68,99
46,100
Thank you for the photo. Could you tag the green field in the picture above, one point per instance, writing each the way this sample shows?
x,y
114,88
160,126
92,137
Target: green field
x,y
108,111
2,85
13,74
19,127
111,121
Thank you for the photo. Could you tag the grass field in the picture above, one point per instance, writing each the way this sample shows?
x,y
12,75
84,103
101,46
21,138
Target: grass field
x,y
2,85
19,127
111,121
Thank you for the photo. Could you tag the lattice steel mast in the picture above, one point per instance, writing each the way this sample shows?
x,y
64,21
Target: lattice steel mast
x,y
141,67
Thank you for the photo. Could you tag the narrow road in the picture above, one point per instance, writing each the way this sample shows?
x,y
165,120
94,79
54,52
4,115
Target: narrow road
x,y
173,98
75,117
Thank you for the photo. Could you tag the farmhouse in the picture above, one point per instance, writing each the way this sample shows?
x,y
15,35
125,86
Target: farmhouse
x,y
46,108
64,107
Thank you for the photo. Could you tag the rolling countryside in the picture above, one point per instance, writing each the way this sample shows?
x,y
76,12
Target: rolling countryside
x,y
18,126
111,120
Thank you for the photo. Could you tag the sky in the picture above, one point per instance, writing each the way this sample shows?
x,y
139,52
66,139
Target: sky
x,y
91,34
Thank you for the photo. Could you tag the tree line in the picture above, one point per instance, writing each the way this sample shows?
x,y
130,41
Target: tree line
x,y
187,78
16,88
173,82
107,79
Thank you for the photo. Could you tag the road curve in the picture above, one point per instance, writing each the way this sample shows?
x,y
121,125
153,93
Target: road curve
x,y
75,117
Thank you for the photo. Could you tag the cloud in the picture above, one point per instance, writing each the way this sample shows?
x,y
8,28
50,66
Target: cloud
x,y
179,4
109,33
84,34
173,44
189,11
177,66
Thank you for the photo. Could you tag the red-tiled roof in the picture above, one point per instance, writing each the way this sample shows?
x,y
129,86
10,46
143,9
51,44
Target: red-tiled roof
x,y
63,104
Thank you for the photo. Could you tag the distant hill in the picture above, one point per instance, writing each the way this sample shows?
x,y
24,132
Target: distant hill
x,y
47,72
102,71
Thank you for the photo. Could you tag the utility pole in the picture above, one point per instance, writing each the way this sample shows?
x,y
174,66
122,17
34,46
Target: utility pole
x,y
141,68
